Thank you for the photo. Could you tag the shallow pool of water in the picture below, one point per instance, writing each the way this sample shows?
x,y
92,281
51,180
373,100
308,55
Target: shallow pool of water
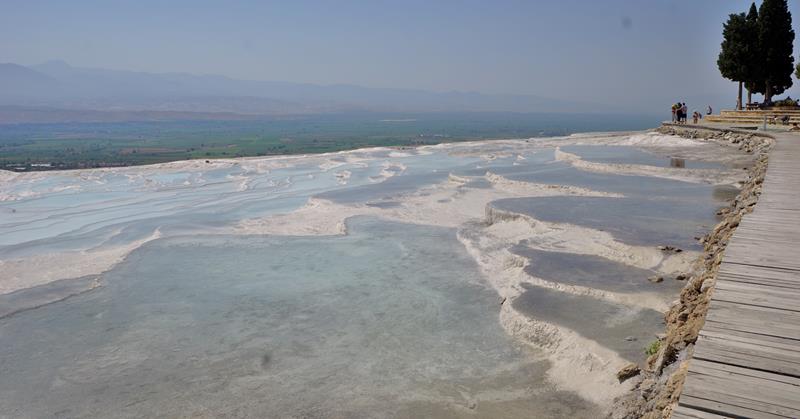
x,y
622,328
637,221
590,271
632,155
392,320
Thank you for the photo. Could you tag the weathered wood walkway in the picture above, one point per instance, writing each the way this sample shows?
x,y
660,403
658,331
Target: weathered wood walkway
x,y
747,359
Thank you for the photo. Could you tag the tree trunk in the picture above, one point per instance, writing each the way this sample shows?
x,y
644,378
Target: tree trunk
x,y
749,96
768,94
739,98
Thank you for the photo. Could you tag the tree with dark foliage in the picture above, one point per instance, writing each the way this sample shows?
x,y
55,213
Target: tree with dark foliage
x,y
754,81
733,58
776,39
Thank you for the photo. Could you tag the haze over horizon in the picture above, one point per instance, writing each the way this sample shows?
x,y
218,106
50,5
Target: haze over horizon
x,y
627,55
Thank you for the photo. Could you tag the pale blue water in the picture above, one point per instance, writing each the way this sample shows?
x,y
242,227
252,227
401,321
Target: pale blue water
x,y
391,320
656,221
616,326
589,271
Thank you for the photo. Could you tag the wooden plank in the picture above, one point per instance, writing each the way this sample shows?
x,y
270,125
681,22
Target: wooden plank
x,y
775,347
752,256
683,412
785,214
765,250
724,408
730,333
763,264
737,391
775,328
748,354
780,291
741,257
755,319
769,218
759,295
775,281
759,242
770,271
770,245
758,271
767,282
788,385
766,218
766,238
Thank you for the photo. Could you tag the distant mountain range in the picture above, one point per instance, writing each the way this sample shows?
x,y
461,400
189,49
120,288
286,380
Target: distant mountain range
x,y
56,92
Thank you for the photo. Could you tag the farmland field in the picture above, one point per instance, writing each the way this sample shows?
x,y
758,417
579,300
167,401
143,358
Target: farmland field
x,y
81,145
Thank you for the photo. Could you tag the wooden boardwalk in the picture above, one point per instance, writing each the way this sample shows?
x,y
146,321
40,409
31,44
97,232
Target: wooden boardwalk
x,y
747,358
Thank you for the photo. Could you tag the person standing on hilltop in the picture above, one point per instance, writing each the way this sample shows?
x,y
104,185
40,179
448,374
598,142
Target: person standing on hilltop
x,y
674,112
684,111
709,111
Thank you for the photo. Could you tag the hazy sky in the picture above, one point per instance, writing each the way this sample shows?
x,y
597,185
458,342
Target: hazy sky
x,y
599,51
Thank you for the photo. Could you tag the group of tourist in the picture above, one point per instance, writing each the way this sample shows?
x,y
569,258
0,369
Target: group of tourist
x,y
679,111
